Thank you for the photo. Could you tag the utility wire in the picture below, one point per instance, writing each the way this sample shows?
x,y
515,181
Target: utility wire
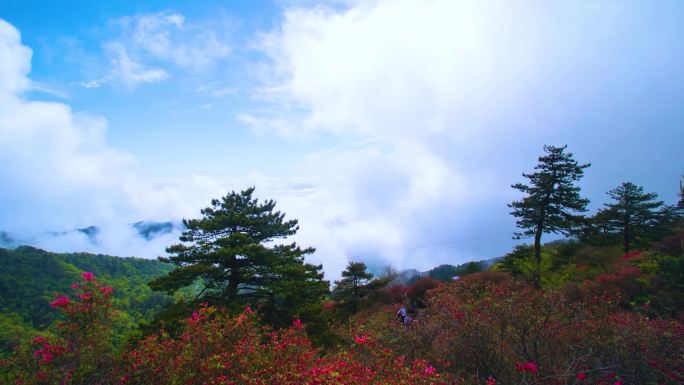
x,y
445,243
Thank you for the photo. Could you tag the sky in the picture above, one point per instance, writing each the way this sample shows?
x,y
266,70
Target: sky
x,y
392,129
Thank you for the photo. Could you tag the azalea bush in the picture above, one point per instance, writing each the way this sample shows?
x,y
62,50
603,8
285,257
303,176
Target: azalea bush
x,y
78,349
485,329
495,329
213,347
218,349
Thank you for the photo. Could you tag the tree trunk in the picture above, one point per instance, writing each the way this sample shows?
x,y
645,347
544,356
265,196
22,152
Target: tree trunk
x,y
234,278
355,297
626,235
536,277
625,242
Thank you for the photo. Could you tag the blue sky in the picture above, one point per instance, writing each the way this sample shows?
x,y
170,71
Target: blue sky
x,y
384,126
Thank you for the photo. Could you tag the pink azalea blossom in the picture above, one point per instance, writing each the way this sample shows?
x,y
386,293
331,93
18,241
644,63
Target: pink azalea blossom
x,y
429,371
61,301
39,340
527,367
84,296
88,276
107,290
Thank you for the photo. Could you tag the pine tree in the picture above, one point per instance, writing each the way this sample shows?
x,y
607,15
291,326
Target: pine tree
x,y
633,213
598,230
353,285
552,203
230,252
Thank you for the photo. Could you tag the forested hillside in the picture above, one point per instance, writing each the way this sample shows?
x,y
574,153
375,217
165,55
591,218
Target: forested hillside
x,y
29,278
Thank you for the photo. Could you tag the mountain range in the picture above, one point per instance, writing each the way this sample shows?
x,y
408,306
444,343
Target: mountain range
x,y
147,230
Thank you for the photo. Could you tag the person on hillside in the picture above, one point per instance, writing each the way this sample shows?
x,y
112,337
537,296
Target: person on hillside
x,y
402,315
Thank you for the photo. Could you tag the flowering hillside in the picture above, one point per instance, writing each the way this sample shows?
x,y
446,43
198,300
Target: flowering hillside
x,y
487,328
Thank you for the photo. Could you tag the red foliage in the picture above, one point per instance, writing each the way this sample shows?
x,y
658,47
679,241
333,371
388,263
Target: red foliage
x,y
632,255
484,329
508,332
217,349
418,291
79,349
395,293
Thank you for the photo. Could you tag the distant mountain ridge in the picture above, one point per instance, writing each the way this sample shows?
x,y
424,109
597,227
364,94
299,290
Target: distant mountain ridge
x,y
147,230
445,272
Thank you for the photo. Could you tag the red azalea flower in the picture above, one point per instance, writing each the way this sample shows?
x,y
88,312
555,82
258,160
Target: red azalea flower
x,y
84,296
39,340
429,371
88,276
107,290
527,367
61,301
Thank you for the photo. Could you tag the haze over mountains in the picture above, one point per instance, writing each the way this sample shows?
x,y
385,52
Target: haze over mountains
x,y
93,237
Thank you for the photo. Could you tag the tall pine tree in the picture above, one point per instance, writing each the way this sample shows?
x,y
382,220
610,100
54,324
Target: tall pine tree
x,y
230,253
552,203
633,214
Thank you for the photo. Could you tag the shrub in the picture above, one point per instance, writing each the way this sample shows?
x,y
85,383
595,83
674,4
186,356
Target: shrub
x,y
79,348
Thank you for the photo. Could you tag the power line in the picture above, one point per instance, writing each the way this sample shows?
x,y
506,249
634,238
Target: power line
x,y
438,244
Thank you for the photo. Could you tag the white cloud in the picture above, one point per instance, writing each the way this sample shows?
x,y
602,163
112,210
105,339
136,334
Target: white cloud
x,y
217,92
128,71
124,70
16,63
149,46
45,89
351,199
451,100
422,86
168,37
401,68
60,173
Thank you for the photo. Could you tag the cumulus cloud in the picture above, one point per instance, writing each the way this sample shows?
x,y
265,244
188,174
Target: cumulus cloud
x,y
410,83
60,173
437,106
64,176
